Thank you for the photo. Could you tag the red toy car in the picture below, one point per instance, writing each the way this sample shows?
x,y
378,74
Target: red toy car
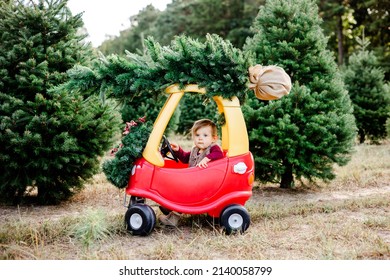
x,y
220,190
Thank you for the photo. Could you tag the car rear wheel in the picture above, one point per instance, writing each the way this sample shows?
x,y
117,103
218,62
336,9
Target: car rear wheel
x,y
235,218
140,219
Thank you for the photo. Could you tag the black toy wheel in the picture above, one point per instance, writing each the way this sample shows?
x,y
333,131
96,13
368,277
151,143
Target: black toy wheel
x,y
167,149
235,218
140,219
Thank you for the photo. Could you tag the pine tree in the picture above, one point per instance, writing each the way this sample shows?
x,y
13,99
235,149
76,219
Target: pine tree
x,y
305,133
50,139
369,93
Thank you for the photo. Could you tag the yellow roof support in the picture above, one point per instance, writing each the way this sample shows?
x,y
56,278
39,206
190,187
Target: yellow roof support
x,y
234,134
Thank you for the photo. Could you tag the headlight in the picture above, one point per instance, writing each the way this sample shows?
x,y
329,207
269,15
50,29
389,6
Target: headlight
x,y
133,170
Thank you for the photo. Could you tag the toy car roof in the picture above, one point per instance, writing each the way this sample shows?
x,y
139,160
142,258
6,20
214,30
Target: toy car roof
x,y
234,134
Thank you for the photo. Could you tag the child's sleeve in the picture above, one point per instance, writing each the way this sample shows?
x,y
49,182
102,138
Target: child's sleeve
x,y
215,153
183,156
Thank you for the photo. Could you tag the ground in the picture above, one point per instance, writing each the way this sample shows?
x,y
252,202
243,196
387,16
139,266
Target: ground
x,y
347,218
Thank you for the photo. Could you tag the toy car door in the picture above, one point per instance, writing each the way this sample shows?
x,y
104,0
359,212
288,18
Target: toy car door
x,y
190,186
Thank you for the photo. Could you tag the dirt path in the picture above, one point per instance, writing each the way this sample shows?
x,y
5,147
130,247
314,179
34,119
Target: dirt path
x,y
274,194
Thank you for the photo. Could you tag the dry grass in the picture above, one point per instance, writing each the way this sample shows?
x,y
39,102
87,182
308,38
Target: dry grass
x,y
348,218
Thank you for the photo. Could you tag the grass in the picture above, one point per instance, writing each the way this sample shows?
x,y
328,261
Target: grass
x,y
347,218
93,226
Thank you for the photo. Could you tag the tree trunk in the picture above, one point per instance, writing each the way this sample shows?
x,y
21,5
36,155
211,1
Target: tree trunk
x,y
340,40
287,177
362,137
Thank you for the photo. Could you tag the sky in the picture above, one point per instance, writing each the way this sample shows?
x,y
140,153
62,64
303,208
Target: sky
x,y
104,18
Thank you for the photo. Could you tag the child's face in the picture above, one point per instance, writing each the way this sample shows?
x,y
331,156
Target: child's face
x,y
203,137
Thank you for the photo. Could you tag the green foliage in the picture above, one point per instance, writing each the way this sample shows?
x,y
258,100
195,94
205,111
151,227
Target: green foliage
x,y
50,139
215,65
369,94
118,170
306,132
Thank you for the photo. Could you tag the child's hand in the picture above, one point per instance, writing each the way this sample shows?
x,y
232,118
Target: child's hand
x,y
203,162
175,147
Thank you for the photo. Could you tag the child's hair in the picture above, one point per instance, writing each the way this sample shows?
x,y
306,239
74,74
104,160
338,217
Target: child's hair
x,y
202,123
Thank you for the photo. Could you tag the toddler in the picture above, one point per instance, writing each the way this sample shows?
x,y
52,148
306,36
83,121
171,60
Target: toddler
x,y
205,134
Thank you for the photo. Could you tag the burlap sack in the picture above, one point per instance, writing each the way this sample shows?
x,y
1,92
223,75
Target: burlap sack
x,y
269,82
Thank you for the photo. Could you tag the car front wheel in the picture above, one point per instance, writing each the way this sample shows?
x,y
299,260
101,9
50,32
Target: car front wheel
x,y
140,219
235,218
